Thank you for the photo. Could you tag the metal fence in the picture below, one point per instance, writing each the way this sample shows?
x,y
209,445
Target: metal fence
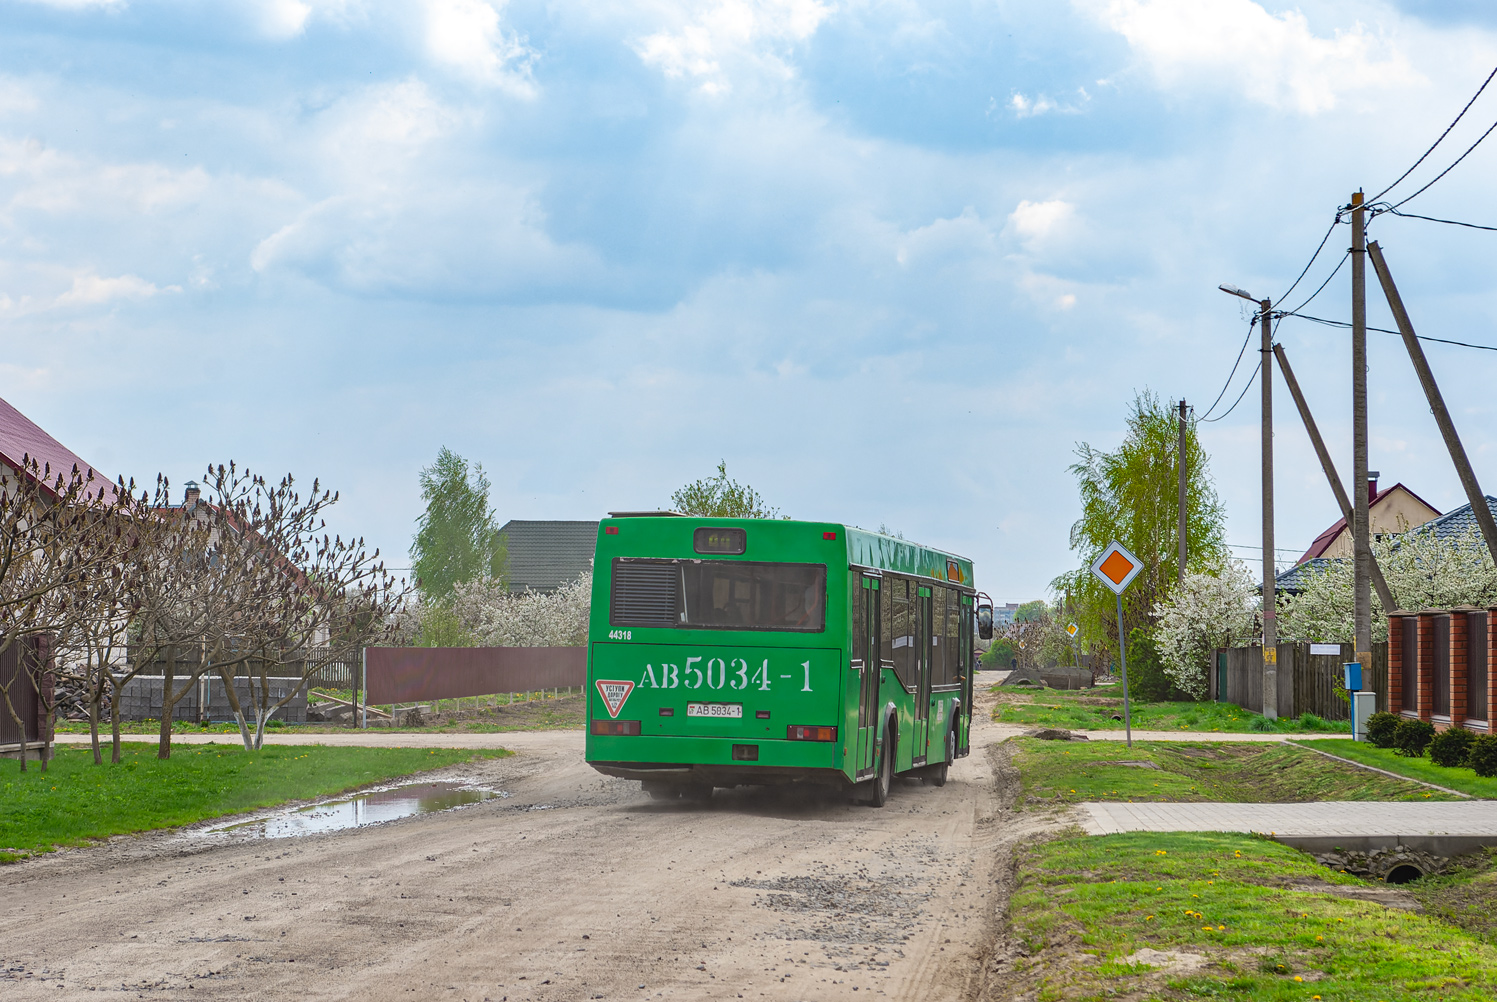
x,y
1307,682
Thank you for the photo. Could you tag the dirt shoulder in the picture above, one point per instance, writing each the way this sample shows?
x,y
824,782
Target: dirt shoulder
x,y
572,886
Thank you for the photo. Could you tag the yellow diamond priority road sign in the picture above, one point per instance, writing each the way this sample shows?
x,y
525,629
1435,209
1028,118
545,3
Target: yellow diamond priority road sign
x,y
1071,630
1116,567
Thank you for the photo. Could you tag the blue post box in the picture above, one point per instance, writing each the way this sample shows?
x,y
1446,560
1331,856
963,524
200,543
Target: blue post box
x,y
1353,671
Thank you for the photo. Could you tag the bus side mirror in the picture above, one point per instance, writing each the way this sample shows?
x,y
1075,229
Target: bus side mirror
x,y
985,622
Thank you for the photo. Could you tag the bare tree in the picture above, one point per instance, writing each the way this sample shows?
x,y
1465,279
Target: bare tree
x,y
320,596
56,529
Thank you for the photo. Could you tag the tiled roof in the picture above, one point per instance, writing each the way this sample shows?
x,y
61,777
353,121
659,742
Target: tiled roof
x,y
543,555
1325,539
21,437
1294,580
1456,522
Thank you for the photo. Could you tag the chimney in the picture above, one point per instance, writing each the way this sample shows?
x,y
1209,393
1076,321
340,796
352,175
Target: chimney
x,y
190,494
1371,485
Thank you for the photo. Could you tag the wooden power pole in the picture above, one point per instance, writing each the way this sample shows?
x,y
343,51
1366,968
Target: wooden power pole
x,y
1270,608
1479,508
1361,531
1184,494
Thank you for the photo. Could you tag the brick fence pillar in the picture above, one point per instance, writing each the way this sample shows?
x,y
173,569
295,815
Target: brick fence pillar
x,y
1458,674
1492,670
1395,661
1424,697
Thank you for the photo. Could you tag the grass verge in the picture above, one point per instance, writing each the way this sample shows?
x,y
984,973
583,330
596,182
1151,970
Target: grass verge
x,y
1087,709
549,714
1066,772
75,802
1226,916
1457,778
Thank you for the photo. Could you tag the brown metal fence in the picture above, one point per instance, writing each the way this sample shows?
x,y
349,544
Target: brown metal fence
x,y
29,704
412,674
1308,682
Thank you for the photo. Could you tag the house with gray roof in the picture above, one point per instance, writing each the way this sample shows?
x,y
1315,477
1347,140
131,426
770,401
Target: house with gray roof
x,y
1456,522
546,554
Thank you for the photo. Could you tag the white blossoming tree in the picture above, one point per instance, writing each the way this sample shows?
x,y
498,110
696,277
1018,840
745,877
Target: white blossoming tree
x,y
1215,607
484,613
1423,572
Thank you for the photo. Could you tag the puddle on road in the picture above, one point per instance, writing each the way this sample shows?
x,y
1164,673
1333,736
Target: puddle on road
x,y
357,812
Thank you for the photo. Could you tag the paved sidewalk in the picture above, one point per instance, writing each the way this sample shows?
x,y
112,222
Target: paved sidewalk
x,y
1334,818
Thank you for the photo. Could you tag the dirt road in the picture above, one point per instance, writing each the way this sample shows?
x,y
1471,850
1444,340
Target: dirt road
x,y
574,886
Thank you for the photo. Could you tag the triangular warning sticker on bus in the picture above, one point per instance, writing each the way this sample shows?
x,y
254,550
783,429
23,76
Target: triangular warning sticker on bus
x,y
614,694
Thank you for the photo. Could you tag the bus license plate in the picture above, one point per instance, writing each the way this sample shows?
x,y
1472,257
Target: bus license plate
x,y
734,710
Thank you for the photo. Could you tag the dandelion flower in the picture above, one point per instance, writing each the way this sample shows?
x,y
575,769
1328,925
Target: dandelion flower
x,y
1298,978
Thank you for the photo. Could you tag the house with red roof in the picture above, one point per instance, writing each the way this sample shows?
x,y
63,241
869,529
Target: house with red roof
x,y
1393,509
21,439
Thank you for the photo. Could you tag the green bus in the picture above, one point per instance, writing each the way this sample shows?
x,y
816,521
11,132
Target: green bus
x,y
729,652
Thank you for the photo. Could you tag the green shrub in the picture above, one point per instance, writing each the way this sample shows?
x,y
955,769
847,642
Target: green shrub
x,y
1311,722
1262,725
1412,737
1147,681
1482,756
1450,746
1380,728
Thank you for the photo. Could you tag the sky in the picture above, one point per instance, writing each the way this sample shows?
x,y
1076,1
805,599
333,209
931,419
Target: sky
x,y
890,261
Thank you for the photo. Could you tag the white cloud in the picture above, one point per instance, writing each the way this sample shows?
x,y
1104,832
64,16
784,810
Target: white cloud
x,y
707,44
1041,220
90,289
467,36
1274,59
78,4
1041,104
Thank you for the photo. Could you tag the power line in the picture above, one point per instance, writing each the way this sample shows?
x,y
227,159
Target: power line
x,y
1327,282
1240,352
1306,270
1229,410
1384,330
1452,167
1437,142
1432,219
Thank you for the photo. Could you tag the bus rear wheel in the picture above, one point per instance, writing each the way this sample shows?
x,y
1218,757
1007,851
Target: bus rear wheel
x,y
884,781
661,791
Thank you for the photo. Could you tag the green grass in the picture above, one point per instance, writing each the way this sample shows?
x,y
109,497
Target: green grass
x,y
497,717
1464,895
1067,772
1093,709
1084,905
1458,778
75,801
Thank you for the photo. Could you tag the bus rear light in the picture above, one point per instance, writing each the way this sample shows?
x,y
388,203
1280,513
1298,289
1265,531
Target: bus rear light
x,y
762,714
800,732
828,535
616,728
745,753
667,711
611,530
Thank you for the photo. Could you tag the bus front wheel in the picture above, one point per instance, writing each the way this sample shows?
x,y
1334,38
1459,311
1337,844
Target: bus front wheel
x,y
937,774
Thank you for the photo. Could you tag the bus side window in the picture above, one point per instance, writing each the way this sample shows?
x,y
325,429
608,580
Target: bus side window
x,y
956,652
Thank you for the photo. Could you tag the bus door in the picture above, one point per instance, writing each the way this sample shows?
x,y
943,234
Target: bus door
x,y
967,674
922,672
867,624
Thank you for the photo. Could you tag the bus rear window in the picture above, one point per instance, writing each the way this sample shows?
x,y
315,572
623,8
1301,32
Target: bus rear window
x,y
719,595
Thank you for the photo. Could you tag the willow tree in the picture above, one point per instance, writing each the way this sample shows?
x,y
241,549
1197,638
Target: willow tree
x,y
1132,494
721,497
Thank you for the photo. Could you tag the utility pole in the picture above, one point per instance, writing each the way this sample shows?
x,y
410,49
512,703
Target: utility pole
x,y
1184,479
1270,606
1479,509
1361,530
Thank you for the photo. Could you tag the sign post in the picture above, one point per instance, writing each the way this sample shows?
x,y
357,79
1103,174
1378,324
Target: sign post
x,y
1116,568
